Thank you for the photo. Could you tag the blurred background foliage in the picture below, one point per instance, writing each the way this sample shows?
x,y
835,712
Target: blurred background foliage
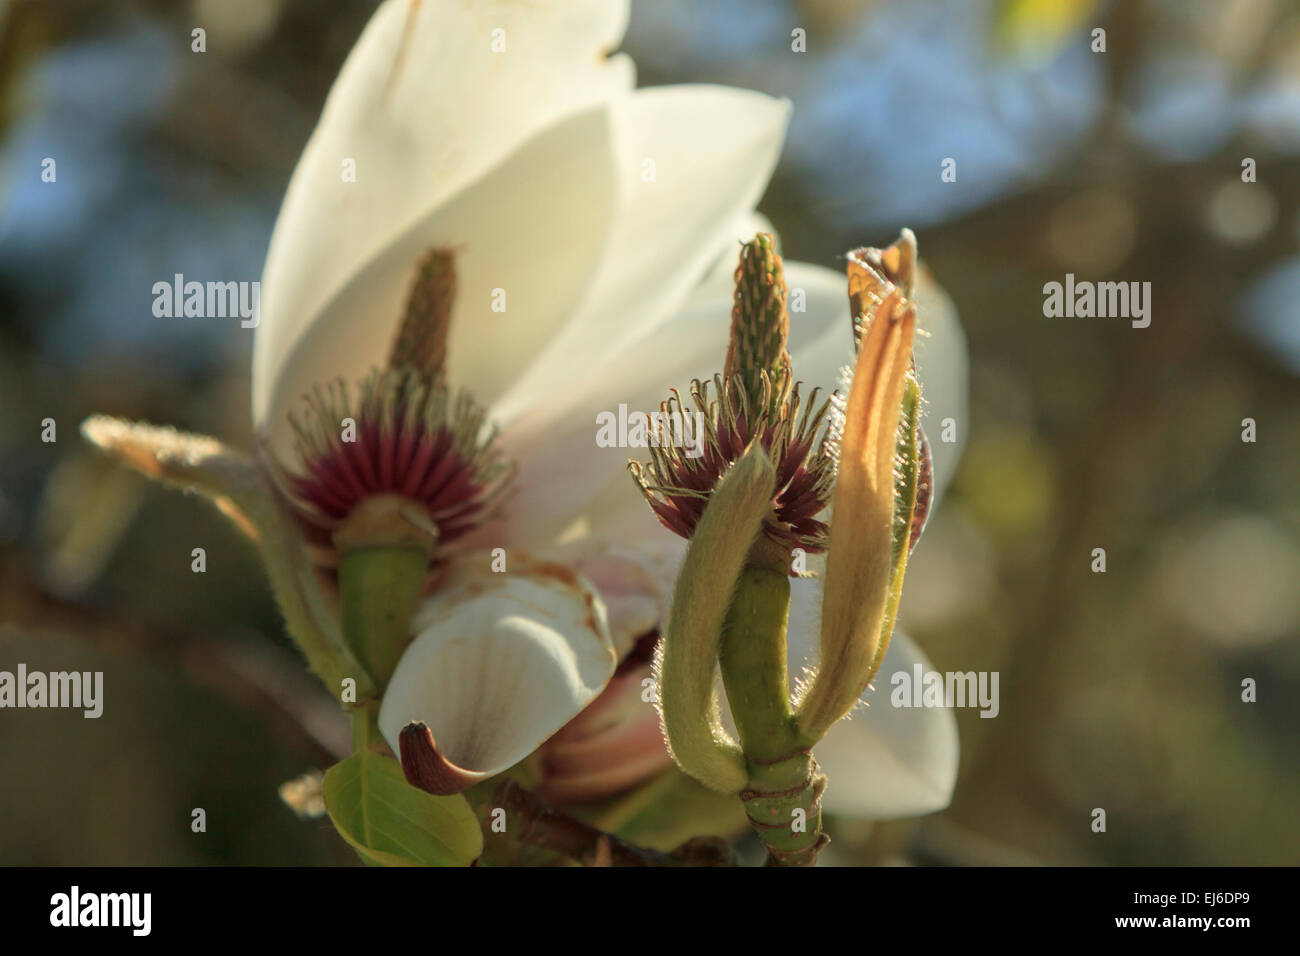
x,y
1119,690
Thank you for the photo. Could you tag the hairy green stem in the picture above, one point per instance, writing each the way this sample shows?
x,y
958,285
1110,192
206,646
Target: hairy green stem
x,y
378,587
782,797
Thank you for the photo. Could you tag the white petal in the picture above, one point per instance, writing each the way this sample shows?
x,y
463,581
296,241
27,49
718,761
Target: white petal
x,y
423,106
720,275
534,227
821,338
713,150
500,662
943,368
882,762
561,467
885,762
612,745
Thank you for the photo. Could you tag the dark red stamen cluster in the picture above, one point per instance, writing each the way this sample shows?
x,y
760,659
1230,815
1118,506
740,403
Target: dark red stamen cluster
x,y
678,486
407,436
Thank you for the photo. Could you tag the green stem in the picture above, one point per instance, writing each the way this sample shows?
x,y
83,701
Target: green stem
x,y
365,728
378,588
783,796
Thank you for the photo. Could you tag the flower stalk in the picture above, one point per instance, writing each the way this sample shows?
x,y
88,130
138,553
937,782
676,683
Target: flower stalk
x,y
384,548
732,598
782,795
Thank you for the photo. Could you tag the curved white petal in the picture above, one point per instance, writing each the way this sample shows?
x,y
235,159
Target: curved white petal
x,y
428,100
692,161
499,663
821,337
532,227
881,762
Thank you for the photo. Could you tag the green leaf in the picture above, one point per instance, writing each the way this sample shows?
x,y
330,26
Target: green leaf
x,y
391,823
667,811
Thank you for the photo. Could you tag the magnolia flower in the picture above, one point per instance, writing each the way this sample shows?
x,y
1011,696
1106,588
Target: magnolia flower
x,y
591,230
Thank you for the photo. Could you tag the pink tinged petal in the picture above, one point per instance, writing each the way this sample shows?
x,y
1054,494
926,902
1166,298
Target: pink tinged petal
x,y
532,227
614,744
499,663
414,145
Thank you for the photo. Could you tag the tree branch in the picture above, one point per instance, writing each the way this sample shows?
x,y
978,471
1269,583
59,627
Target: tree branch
x,y
535,822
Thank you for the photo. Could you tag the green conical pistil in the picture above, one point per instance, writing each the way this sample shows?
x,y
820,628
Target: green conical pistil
x,y
760,325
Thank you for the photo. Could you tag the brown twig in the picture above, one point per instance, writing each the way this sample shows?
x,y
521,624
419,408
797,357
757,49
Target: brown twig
x,y
536,822
251,672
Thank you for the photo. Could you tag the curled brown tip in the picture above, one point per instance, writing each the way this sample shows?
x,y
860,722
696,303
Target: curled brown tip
x,y
426,768
873,273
